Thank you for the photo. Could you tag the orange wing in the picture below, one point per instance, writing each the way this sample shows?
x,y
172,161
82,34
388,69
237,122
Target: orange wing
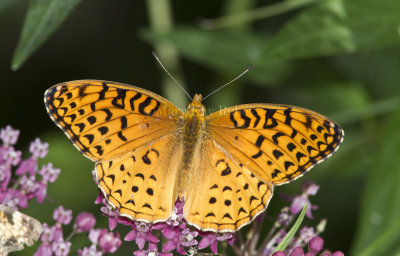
x,y
105,120
223,194
277,143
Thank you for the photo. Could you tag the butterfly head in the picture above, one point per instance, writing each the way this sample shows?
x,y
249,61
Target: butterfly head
x,y
196,107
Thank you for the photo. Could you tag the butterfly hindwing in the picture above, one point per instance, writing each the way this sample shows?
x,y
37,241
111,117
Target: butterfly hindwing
x,y
142,182
224,195
277,143
104,120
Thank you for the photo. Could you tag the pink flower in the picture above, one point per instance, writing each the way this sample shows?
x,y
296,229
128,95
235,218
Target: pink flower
x,y
9,136
141,232
152,250
90,251
211,239
110,212
84,222
109,241
49,173
38,148
62,216
27,166
298,202
61,247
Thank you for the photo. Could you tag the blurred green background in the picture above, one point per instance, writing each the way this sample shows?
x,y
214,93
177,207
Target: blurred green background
x,y
340,58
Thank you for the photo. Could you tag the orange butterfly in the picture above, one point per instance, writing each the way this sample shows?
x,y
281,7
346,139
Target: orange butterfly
x,y
148,153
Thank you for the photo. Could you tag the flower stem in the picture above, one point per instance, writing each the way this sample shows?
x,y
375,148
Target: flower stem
x,y
160,18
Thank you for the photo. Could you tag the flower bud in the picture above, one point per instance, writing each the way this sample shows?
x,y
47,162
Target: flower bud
x,y
84,222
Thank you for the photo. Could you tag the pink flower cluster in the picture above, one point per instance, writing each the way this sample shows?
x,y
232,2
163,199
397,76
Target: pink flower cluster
x,y
315,246
176,233
19,181
54,243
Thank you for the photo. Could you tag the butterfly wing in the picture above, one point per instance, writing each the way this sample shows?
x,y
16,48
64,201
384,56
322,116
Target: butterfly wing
x,y
17,229
230,196
105,120
142,182
132,135
246,150
278,143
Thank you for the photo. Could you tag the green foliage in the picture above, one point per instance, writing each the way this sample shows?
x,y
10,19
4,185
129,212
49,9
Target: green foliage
x,y
379,223
42,19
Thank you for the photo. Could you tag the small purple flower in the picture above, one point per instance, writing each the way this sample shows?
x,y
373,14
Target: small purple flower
x,y
38,148
186,238
29,186
44,250
141,232
173,234
12,156
307,233
177,215
27,166
110,212
284,217
211,239
61,247
109,241
9,136
90,251
309,188
152,250
49,173
62,216
84,222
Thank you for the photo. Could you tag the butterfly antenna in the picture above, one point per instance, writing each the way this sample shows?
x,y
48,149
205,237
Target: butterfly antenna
x,y
244,72
183,89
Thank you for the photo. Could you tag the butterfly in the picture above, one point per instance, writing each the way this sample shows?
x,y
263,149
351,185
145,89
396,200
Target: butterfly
x,y
17,229
149,153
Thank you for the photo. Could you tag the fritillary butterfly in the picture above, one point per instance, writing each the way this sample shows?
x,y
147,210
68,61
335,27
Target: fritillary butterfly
x,y
148,153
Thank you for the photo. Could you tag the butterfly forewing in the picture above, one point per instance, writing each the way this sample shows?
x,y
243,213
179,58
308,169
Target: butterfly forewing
x,y
277,143
104,120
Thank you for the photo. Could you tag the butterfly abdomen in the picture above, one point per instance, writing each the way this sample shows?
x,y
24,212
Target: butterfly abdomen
x,y
194,128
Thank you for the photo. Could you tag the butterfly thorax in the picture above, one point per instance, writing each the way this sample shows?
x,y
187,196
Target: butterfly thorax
x,y
193,132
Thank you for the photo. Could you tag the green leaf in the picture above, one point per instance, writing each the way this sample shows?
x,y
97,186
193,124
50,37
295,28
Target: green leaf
x,y
332,27
379,220
286,240
42,19
337,27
